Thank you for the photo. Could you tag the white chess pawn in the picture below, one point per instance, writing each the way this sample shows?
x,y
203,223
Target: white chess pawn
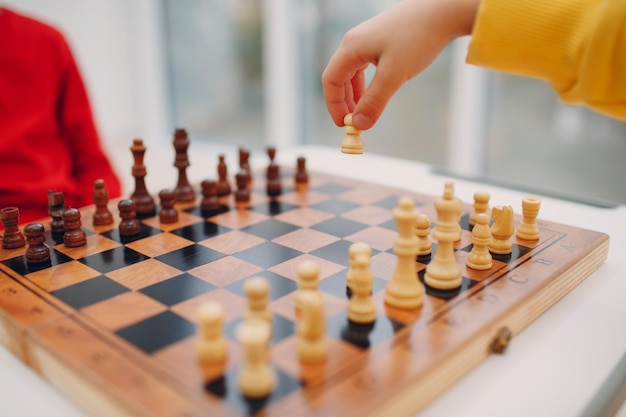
x,y
353,251
257,378
311,327
352,143
212,345
481,205
361,307
257,290
308,274
479,257
422,230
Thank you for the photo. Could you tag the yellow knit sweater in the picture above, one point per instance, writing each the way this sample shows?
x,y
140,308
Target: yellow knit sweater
x,y
577,46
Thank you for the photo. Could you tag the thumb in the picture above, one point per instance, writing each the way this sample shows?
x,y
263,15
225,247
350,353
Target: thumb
x,y
374,99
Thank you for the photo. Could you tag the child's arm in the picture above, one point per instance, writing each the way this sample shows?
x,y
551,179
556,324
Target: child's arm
x,y
577,46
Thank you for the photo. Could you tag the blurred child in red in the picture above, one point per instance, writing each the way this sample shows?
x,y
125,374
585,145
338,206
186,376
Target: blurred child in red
x,y
48,137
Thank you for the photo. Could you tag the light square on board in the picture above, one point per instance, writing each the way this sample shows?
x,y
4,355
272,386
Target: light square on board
x,y
59,276
184,219
239,218
143,274
305,240
286,305
307,198
304,216
289,268
285,356
371,215
366,195
233,304
376,237
123,310
225,271
96,243
159,244
232,242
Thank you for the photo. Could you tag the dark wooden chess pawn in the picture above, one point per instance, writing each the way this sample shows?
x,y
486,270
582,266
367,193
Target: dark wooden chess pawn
x,y
223,186
301,177
102,215
144,203
129,225
272,175
210,202
37,252
56,207
168,213
183,191
12,238
74,235
242,195
244,164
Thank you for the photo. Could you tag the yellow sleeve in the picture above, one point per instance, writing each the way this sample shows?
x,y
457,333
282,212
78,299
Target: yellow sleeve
x,y
577,46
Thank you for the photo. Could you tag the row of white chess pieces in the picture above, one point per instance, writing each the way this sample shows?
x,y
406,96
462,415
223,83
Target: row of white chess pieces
x,y
257,378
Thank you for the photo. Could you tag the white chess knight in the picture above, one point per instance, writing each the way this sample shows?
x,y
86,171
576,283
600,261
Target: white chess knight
x,y
502,230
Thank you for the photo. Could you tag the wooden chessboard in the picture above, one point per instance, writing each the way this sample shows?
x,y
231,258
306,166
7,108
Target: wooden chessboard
x,y
113,324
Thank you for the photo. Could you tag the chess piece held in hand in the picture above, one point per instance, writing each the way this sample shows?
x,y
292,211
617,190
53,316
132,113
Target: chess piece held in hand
x,y
352,143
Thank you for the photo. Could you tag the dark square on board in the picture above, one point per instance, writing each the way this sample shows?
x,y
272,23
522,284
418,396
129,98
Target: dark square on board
x,y
336,252
339,227
89,292
113,259
20,266
226,387
335,206
177,289
200,231
272,208
268,254
362,336
281,328
144,231
270,229
190,257
158,331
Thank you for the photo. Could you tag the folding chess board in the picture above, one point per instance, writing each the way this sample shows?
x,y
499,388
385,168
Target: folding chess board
x,y
113,323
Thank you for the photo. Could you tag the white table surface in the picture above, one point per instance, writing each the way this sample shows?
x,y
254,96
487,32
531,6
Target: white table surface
x,y
561,365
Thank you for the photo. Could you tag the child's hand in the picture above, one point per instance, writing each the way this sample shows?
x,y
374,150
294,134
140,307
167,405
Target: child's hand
x,y
401,43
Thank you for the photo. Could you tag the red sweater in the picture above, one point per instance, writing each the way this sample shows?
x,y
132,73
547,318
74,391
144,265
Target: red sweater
x,y
48,138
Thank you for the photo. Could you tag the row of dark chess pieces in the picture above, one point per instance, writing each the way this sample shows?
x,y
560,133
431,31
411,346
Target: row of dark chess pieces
x,y
66,222
211,190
